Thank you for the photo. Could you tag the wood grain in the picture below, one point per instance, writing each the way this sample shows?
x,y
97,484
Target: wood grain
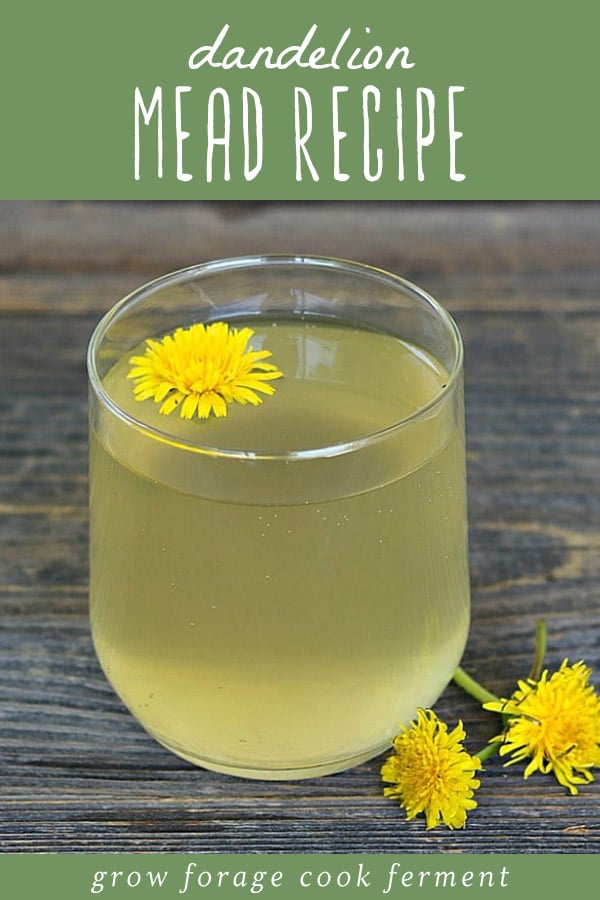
x,y
76,771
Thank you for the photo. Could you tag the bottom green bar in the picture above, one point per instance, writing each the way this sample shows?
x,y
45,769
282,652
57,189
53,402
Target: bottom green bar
x,y
307,876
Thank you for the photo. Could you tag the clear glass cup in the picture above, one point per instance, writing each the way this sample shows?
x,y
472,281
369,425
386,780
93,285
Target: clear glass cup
x,y
273,592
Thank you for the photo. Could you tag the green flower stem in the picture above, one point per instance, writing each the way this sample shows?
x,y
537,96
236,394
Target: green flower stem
x,y
480,693
473,687
489,750
541,635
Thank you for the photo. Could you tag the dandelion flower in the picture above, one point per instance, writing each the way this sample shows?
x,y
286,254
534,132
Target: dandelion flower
x,y
555,723
201,370
432,773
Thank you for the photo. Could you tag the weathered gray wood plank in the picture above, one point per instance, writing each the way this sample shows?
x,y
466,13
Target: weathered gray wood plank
x,y
415,237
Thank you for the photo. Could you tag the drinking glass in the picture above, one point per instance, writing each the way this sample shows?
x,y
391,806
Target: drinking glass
x,y
275,590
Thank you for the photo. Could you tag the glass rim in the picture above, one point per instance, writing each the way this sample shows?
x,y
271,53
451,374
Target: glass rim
x,y
226,264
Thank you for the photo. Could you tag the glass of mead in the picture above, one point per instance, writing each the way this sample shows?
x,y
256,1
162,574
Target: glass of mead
x,y
276,589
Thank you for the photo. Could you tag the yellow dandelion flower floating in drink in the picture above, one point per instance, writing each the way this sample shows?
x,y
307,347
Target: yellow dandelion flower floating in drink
x,y
555,722
432,773
201,370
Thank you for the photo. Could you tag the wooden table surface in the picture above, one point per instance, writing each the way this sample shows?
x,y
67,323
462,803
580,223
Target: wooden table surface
x,y
523,280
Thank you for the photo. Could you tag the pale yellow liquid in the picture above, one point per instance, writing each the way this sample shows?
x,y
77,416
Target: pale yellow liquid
x,y
288,637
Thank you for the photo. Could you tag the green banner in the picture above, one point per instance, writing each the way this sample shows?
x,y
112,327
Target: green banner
x,y
459,100
299,877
